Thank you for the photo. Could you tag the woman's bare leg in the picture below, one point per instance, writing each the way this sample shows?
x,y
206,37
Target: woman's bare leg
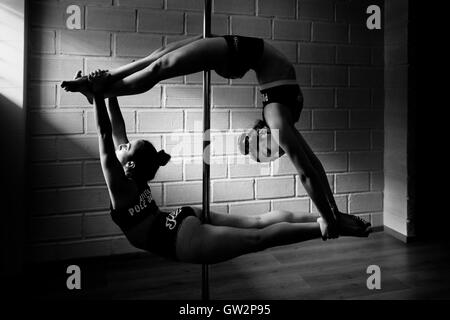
x,y
259,221
204,54
205,243
133,67
142,75
81,84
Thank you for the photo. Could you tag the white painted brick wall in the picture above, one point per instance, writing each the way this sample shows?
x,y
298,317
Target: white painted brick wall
x,y
54,68
168,22
352,140
277,8
330,119
244,119
338,65
194,24
219,120
158,4
329,76
77,148
275,187
173,171
128,116
317,53
57,175
318,97
246,7
136,45
92,173
353,97
353,55
283,166
288,48
251,27
98,18
291,30
232,190
43,149
193,168
316,10
44,123
352,182
232,96
42,96
184,97
149,99
95,43
329,32
365,202
183,193
160,121
43,41
244,167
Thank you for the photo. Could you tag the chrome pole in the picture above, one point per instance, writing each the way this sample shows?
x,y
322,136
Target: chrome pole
x,y
206,143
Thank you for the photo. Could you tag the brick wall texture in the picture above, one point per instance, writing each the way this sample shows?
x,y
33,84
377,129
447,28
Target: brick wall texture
x,y
339,65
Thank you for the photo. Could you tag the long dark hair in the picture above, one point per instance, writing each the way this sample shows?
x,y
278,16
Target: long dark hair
x,y
147,162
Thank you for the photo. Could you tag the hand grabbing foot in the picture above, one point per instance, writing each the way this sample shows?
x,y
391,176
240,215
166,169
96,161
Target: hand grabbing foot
x,y
99,79
79,84
325,230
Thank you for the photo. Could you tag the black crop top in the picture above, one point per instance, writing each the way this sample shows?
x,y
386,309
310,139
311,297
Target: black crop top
x,y
143,206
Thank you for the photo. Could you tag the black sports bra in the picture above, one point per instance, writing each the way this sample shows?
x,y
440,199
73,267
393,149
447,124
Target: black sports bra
x,y
143,206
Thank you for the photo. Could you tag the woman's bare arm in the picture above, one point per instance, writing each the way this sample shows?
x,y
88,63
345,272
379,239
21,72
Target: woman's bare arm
x,y
119,133
112,168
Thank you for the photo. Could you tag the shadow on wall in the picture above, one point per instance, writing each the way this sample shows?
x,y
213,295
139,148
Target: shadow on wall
x,y
69,199
13,195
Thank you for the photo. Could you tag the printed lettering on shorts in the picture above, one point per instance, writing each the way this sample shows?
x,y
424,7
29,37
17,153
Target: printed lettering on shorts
x,y
145,199
171,221
235,42
265,97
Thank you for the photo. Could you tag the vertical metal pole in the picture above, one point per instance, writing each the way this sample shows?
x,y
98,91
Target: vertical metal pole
x,y
206,142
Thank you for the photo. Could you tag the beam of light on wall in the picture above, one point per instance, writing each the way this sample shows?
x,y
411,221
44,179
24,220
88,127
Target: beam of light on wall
x,y
12,51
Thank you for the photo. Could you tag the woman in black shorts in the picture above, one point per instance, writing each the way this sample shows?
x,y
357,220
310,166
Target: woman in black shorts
x,y
128,166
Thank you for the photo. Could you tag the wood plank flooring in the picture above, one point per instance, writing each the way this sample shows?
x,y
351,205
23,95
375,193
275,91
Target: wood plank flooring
x,y
309,270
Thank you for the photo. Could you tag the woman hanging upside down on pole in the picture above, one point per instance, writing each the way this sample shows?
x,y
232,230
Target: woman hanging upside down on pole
x,y
129,165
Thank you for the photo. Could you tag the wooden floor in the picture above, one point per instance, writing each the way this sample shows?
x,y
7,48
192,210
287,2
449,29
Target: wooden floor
x,y
310,270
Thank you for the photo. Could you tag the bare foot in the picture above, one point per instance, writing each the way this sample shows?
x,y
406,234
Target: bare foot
x,y
79,84
350,225
323,228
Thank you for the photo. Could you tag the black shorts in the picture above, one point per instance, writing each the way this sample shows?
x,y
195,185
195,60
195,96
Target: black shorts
x,y
164,230
243,55
289,95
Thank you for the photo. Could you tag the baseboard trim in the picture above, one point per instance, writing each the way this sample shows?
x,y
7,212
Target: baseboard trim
x,y
397,235
378,229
